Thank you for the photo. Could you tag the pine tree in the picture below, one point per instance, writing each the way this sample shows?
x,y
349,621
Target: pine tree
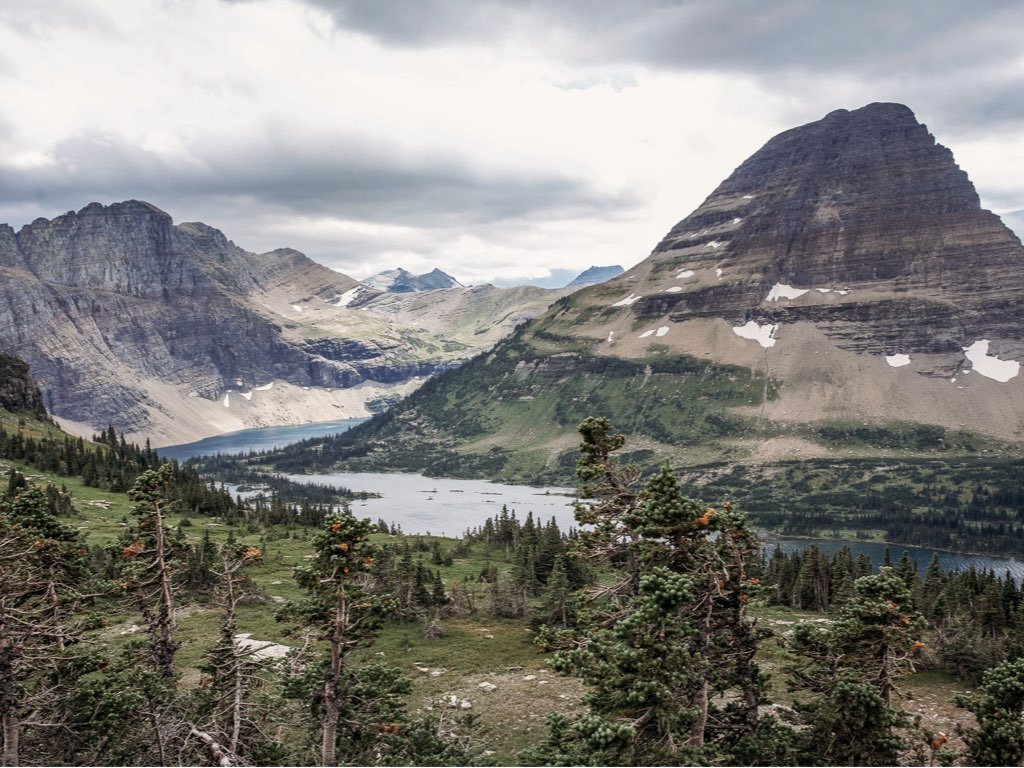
x,y
657,644
999,710
853,666
344,613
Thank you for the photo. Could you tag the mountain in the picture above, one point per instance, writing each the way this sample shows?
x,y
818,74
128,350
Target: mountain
x,y
402,281
595,275
841,293
172,332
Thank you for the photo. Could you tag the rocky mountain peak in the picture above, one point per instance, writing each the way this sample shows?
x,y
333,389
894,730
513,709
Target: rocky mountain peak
x,y
594,275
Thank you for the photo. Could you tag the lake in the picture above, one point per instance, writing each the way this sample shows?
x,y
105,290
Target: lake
x,y
260,439
444,506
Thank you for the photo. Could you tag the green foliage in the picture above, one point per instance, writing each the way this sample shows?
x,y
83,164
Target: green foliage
x,y
999,709
853,667
668,634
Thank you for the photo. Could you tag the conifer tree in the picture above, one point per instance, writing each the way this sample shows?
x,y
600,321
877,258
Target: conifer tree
x,y
344,613
999,710
669,633
854,666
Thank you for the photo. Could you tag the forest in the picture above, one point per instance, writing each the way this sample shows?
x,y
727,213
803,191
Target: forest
x,y
659,611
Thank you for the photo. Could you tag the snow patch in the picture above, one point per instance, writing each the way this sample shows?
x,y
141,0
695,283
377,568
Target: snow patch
x,y
347,297
611,334
684,274
265,387
747,197
631,299
990,365
896,361
736,221
783,291
762,334
673,289
843,293
714,244
823,290
227,401
718,273
247,395
662,331
297,308
645,334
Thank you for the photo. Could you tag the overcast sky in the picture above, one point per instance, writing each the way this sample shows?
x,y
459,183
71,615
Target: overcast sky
x,y
500,141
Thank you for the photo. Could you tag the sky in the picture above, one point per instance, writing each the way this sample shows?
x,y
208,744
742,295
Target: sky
x,y
502,141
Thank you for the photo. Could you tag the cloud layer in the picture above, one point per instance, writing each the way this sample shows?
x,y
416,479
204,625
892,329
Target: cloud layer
x,y
498,140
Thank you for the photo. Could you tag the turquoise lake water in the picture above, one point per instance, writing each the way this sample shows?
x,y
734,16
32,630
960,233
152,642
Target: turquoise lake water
x,y
448,506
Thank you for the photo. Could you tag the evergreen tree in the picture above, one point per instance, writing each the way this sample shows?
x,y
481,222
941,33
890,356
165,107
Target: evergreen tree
x,y
853,666
658,644
999,710
344,613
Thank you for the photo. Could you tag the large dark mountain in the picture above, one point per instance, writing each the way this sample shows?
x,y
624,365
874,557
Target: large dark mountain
x,y
173,332
842,292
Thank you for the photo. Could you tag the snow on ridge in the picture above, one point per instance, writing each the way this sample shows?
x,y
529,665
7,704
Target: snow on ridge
x,y
673,289
990,365
662,331
684,274
762,334
897,360
347,297
783,291
631,299
265,387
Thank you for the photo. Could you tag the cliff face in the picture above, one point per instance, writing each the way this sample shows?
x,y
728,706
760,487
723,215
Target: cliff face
x,y
845,276
124,317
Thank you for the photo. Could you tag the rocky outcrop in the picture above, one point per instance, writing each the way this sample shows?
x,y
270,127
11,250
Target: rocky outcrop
x,y
18,392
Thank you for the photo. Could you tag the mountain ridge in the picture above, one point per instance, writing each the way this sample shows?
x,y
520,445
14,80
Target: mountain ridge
x,y
844,275
173,332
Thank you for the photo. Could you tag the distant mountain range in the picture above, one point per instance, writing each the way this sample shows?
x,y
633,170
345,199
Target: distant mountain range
x,y
172,332
841,293
402,281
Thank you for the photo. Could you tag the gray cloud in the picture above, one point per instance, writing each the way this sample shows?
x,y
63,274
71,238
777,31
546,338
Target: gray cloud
x,y
353,180
908,48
